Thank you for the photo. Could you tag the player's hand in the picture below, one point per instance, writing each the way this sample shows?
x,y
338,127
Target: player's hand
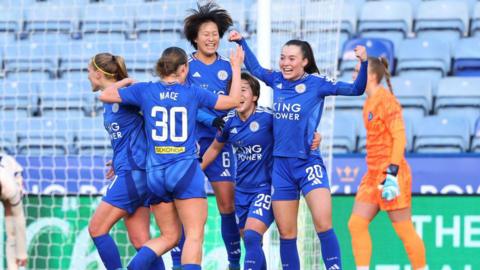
x,y
124,82
21,262
361,53
218,123
111,173
389,188
236,57
234,36
317,139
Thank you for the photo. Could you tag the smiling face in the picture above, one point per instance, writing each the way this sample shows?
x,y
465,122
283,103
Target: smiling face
x,y
292,62
247,99
208,38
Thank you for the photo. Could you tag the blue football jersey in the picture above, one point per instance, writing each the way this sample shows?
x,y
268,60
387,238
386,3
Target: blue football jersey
x,y
214,78
298,105
252,141
169,113
124,125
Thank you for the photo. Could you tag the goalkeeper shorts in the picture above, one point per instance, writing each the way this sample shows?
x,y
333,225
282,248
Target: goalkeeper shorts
x,y
368,191
128,190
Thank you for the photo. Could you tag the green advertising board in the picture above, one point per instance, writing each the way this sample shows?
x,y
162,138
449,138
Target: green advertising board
x,y
58,238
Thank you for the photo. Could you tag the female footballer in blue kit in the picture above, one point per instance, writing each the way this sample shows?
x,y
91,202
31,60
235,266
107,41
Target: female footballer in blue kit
x,y
204,28
127,195
298,103
249,130
169,108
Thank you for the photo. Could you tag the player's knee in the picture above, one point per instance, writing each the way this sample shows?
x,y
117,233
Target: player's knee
x,y
287,232
357,224
323,226
226,207
138,240
95,228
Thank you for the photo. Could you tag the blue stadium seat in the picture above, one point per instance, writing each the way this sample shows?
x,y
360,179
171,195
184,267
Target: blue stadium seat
x,y
467,57
10,23
75,57
40,61
348,103
377,47
423,58
444,20
42,136
344,134
285,17
63,98
103,22
459,96
413,94
18,97
158,17
386,19
476,138
438,134
141,55
48,23
8,134
475,27
92,138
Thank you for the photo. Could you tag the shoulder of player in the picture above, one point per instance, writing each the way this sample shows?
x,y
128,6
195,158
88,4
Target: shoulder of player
x,y
230,116
266,110
318,77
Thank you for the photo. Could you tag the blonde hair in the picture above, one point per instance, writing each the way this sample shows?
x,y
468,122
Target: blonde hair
x,y
110,65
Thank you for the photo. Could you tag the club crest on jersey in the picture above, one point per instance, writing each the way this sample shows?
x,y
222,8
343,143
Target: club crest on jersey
x,y
115,107
300,88
254,126
222,75
370,116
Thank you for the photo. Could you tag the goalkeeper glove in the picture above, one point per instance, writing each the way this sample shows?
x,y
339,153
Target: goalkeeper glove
x,y
389,186
218,123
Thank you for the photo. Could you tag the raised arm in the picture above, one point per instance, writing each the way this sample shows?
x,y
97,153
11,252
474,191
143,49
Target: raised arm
x,y
251,61
357,88
110,94
211,154
233,99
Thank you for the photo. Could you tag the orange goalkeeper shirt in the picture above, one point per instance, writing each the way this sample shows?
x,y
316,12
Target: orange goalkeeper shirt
x,y
386,140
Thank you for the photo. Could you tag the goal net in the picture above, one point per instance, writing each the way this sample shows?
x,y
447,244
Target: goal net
x,y
52,122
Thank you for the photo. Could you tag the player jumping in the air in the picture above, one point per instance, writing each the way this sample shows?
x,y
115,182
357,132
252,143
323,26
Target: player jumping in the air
x,y
298,95
127,195
204,28
387,183
170,108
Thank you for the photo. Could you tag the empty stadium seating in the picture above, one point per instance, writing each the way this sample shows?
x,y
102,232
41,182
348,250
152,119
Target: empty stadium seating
x,y
46,46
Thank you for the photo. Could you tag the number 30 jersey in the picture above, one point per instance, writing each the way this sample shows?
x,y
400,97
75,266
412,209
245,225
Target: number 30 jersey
x,y
170,112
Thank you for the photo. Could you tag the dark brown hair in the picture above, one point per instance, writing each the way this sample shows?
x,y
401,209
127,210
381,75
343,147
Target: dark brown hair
x,y
112,66
171,59
307,52
209,12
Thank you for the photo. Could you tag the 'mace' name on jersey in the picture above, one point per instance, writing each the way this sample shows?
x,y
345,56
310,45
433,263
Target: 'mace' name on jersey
x,y
170,95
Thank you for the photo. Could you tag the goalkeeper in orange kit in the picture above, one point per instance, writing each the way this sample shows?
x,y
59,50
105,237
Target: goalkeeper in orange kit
x,y
387,183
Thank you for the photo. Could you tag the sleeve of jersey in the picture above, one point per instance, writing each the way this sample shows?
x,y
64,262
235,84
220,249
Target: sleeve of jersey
x,y
204,117
254,67
357,88
205,98
132,95
396,127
